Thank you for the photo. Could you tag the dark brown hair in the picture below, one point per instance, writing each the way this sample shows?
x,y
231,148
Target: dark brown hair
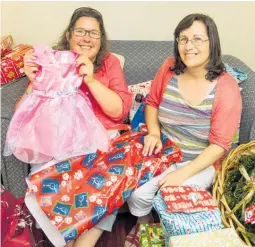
x,y
63,43
215,66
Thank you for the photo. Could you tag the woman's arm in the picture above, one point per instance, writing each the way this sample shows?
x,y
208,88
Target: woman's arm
x,y
29,69
109,101
206,158
28,91
114,100
152,140
151,119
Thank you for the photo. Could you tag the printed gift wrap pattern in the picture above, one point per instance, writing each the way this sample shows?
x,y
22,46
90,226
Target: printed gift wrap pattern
x,y
187,199
12,64
249,215
77,193
181,223
151,235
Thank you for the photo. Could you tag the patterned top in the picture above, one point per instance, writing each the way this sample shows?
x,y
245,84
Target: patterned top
x,y
188,126
226,109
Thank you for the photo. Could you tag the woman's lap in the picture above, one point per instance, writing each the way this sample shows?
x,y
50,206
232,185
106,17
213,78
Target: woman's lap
x,y
140,202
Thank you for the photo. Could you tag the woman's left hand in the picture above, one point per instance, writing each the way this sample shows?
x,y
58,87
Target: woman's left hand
x,y
175,178
86,68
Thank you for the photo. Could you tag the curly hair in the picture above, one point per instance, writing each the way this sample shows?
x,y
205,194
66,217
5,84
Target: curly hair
x,y
63,43
215,66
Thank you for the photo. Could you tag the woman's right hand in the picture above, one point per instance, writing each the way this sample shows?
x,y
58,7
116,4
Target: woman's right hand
x,y
30,68
151,143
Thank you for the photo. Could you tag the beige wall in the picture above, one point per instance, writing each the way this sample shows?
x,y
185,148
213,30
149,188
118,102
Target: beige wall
x,y
43,22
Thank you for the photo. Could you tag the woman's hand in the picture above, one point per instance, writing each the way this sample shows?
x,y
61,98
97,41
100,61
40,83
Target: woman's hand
x,y
151,142
175,178
86,68
30,68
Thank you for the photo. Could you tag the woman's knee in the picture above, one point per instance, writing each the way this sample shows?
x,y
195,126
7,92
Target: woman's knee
x,y
135,197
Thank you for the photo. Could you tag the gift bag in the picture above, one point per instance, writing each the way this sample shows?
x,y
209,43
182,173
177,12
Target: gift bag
x,y
17,224
72,196
179,218
151,235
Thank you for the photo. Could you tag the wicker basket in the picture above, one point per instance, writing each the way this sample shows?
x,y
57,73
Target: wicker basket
x,y
228,219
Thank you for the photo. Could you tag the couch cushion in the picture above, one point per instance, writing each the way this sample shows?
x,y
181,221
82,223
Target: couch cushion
x,y
121,59
142,57
10,94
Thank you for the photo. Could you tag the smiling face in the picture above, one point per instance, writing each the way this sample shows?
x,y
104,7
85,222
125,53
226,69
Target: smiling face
x,y
85,45
195,56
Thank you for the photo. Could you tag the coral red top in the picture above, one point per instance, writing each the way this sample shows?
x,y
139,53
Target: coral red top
x,y
112,76
227,105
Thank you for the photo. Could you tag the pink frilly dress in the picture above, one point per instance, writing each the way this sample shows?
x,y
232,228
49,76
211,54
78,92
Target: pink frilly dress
x,y
56,120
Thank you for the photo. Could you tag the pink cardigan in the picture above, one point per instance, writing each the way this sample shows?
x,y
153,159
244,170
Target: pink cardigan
x,y
227,105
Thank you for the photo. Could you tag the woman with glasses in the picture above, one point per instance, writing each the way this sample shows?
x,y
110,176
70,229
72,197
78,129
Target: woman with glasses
x,y
196,104
104,81
105,86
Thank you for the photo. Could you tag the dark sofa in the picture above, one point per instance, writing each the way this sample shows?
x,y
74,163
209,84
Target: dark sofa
x,y
142,60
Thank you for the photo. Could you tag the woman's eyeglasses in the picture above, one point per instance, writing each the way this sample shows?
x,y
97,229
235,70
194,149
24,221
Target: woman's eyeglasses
x,y
80,32
197,41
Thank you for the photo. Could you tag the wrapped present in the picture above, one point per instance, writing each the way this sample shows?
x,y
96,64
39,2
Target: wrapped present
x,y
249,215
187,199
218,238
12,65
181,223
6,44
72,196
151,235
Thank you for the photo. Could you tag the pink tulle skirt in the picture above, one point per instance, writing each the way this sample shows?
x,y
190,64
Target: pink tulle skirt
x,y
45,128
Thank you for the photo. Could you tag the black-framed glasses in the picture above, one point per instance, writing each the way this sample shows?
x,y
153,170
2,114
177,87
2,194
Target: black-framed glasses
x,y
81,32
197,41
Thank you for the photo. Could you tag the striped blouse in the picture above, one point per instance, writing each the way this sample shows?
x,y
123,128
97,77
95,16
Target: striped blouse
x,y
188,126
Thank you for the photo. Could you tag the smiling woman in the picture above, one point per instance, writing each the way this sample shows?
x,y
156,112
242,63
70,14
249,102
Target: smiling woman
x,y
86,19
102,84
196,104
84,38
193,51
